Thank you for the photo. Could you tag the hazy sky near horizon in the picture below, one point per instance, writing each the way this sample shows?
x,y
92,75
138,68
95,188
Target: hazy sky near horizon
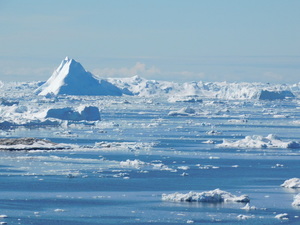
x,y
209,40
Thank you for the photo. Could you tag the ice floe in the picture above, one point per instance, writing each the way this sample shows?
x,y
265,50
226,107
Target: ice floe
x,y
291,183
258,141
216,195
245,217
30,144
296,201
133,163
186,111
282,216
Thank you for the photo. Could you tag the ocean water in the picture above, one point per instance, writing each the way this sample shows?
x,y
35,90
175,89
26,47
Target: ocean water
x,y
123,164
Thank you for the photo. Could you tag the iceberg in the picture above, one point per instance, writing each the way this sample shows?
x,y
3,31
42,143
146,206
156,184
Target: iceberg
x,y
291,183
88,113
213,196
257,141
70,78
195,91
275,95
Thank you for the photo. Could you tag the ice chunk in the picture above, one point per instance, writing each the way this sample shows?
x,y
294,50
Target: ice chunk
x,y
247,207
133,163
257,141
291,183
296,201
282,216
89,113
191,99
274,95
186,111
216,195
30,144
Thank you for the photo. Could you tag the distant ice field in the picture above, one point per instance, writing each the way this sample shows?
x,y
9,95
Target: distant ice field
x,y
118,168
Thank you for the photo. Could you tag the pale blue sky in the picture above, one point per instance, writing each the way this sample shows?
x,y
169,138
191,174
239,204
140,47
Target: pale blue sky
x,y
180,40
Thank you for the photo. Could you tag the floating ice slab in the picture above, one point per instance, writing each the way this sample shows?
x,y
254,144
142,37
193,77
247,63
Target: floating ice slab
x,y
216,195
186,111
291,183
15,144
257,141
282,216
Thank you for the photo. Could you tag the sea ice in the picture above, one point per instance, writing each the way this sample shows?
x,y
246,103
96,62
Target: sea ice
x,y
186,111
296,201
282,216
191,99
274,95
291,183
257,141
216,195
245,217
88,113
247,207
133,163
30,144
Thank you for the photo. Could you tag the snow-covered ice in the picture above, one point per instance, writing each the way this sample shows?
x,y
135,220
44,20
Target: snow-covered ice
x,y
186,111
216,195
296,201
291,183
282,216
71,78
89,113
258,141
30,144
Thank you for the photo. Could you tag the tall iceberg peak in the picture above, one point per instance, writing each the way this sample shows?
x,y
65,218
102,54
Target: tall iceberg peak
x,y
71,78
